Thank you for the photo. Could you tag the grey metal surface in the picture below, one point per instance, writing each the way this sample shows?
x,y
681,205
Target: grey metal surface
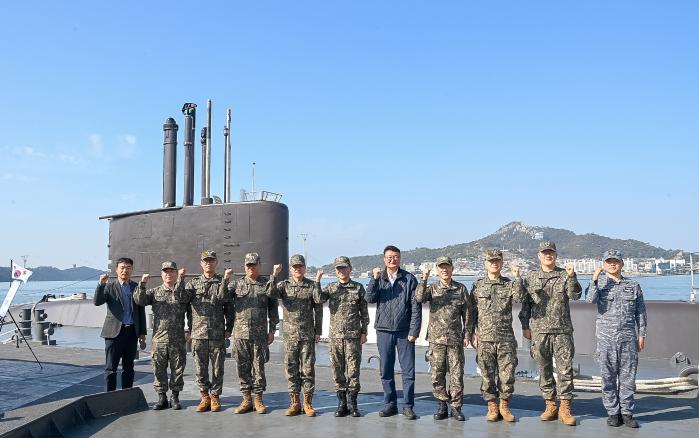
x,y
181,234
169,162
189,110
657,414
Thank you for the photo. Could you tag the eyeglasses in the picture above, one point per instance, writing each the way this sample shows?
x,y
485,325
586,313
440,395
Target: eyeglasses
x,y
392,257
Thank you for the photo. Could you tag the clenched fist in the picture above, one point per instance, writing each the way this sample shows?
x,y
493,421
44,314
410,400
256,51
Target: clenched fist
x,y
144,278
276,270
425,274
377,273
319,275
515,271
182,272
228,274
104,278
598,271
570,269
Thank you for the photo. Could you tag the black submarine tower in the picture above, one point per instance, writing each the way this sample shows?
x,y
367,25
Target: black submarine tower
x,y
257,223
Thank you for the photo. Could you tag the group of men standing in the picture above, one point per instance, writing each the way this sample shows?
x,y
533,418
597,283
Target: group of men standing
x,y
218,306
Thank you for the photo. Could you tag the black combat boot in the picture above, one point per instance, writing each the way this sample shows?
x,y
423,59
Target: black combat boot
x,y
614,420
442,412
353,411
162,402
457,414
341,404
175,401
629,421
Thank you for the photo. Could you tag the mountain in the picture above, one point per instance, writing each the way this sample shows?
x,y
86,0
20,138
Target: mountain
x,y
522,240
49,273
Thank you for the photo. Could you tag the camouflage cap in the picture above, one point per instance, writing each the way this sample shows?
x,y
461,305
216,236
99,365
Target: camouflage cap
x,y
343,262
208,254
493,254
168,265
547,244
296,260
444,260
613,254
252,258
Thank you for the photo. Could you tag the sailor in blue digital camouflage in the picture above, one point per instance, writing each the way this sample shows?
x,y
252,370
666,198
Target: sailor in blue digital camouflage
x,y
621,335
168,341
256,319
492,335
545,318
212,322
302,327
450,314
349,319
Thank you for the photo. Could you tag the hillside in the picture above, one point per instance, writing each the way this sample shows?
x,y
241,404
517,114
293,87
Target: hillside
x,y
49,273
519,240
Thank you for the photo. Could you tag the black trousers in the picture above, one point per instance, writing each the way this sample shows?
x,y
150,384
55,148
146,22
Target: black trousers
x,y
122,348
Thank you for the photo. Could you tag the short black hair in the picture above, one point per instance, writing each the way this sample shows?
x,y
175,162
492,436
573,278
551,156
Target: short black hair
x,y
390,248
125,260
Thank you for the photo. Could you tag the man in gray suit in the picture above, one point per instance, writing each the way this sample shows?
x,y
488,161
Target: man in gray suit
x,y
124,325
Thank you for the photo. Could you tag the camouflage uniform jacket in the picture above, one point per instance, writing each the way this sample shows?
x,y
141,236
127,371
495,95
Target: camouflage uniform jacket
x,y
349,313
303,317
546,306
449,311
256,309
621,311
168,313
212,314
491,305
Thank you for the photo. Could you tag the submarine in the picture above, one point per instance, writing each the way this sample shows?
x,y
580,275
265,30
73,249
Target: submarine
x,y
259,222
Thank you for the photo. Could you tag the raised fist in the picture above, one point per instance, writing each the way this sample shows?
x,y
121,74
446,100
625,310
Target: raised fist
x,y
425,274
144,278
377,273
319,275
598,271
276,270
570,270
182,272
228,273
104,278
515,271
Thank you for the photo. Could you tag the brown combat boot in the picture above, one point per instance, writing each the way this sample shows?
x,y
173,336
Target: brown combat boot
x,y
294,406
565,415
205,403
245,405
260,407
308,405
493,413
215,403
505,411
551,411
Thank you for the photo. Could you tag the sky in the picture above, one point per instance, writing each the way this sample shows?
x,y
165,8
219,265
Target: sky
x,y
407,122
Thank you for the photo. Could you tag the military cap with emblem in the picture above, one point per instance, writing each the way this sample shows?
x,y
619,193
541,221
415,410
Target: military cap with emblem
x,y
168,265
342,262
252,258
297,260
493,254
547,244
441,260
208,254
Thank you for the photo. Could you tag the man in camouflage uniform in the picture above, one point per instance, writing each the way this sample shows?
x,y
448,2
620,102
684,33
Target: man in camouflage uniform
x,y
256,319
492,335
168,342
302,327
546,310
449,315
349,319
212,322
621,335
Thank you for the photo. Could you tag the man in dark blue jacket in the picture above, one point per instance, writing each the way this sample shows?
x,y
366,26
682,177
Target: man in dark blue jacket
x,y
398,319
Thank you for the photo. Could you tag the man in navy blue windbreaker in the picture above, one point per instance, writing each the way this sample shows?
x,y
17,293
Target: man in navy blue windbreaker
x,y
398,319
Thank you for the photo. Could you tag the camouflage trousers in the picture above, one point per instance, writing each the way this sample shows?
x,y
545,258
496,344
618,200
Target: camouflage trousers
x,y
174,355
618,363
497,361
205,350
545,347
250,358
443,359
345,362
300,362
